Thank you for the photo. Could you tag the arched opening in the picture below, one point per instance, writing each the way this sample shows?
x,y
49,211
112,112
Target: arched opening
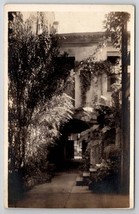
x,y
68,152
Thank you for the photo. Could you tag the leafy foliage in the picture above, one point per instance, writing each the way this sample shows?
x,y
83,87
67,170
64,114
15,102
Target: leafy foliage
x,y
107,116
113,24
45,125
110,169
35,76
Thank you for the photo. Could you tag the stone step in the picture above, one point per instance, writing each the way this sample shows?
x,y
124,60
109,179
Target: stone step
x,y
79,181
86,174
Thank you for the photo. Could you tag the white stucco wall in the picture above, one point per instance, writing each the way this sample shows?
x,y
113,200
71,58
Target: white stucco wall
x,y
79,52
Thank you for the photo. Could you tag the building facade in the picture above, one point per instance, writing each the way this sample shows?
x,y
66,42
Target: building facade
x,y
82,46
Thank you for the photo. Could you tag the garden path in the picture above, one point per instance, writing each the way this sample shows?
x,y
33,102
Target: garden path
x,y
62,192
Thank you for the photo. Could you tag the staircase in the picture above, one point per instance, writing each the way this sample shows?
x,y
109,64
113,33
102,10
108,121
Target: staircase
x,y
83,180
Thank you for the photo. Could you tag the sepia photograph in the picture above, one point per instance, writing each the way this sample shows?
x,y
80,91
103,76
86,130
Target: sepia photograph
x,y
69,106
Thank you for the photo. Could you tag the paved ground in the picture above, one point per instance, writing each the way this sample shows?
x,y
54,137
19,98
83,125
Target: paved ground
x,y
62,193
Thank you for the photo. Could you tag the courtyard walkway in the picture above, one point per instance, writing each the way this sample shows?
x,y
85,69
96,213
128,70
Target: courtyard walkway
x,y
63,193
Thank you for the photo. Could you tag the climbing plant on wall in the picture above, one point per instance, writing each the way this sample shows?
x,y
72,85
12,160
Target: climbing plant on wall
x,y
90,69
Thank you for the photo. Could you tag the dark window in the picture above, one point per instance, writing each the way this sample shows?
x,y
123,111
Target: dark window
x,y
113,59
110,80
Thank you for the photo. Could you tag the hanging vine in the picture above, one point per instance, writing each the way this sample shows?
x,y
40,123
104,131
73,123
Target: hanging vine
x,y
90,69
85,79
